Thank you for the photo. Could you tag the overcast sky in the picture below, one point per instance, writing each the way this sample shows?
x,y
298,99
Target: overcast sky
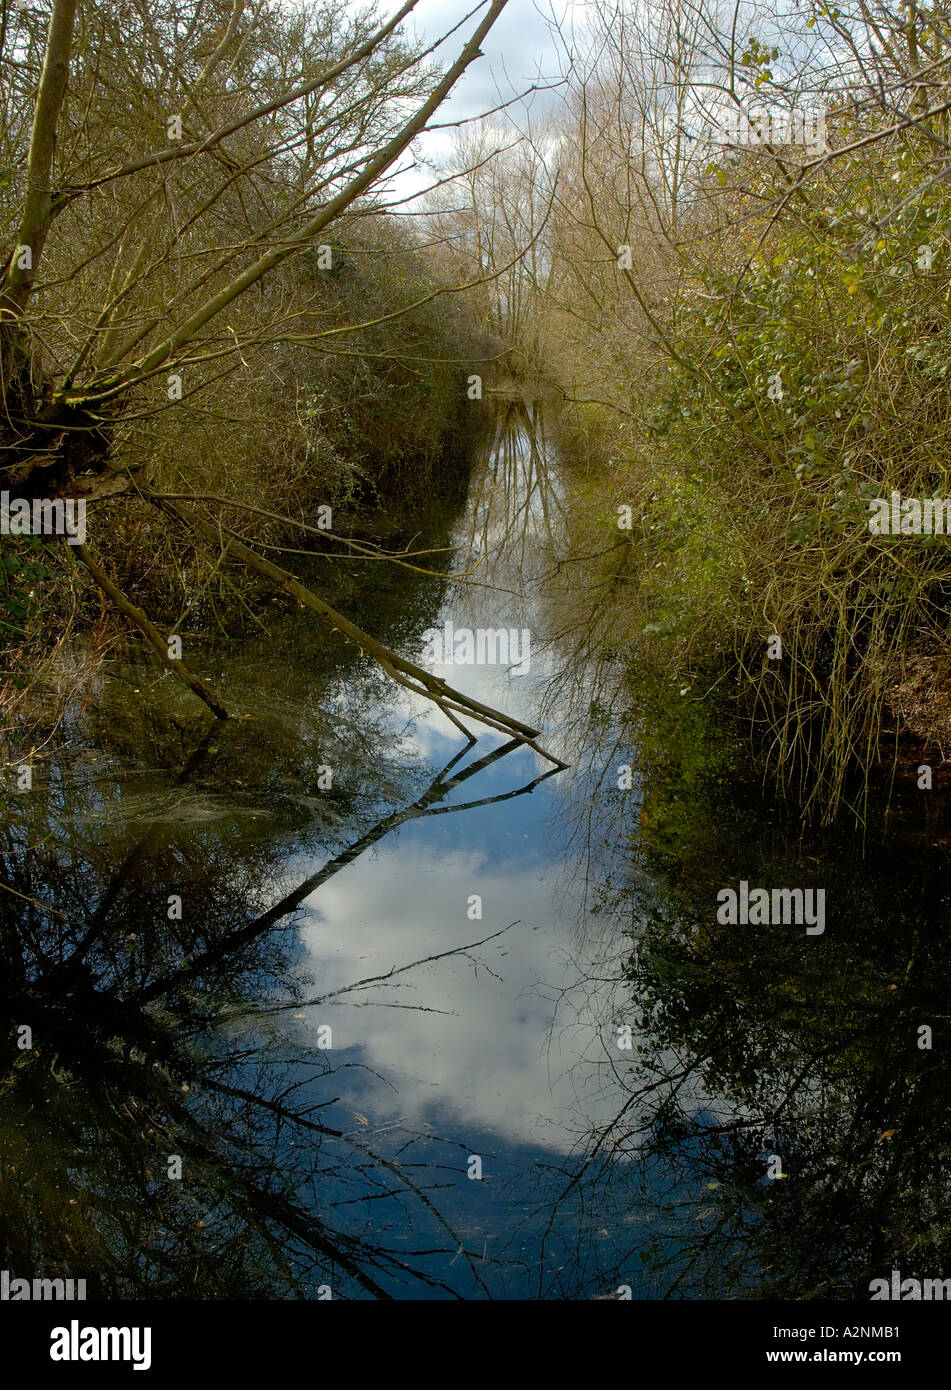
x,y
522,49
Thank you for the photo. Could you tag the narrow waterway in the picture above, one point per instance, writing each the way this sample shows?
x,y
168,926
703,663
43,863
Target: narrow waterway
x,y
328,1002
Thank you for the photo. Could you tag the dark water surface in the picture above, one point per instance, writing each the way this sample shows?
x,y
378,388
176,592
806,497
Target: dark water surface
x,y
477,936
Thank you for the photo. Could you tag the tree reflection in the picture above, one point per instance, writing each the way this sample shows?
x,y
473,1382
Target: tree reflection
x,y
153,1037
749,1042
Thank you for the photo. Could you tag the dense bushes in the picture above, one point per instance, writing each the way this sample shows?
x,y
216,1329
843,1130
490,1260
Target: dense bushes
x,y
801,375
374,422
369,421
203,295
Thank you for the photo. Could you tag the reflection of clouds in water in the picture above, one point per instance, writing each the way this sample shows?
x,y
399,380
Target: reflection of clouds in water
x,y
521,1046
494,686
512,501
489,1057
432,735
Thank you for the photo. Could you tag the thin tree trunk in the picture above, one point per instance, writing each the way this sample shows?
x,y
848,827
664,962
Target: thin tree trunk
x,y
38,203
142,622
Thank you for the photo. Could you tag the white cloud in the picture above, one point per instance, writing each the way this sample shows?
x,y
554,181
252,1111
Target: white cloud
x,y
486,1057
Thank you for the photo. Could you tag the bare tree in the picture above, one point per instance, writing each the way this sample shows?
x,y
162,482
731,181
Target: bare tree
x,y
151,209
273,163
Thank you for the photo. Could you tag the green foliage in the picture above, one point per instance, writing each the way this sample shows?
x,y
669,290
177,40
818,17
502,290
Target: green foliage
x,y
23,570
810,376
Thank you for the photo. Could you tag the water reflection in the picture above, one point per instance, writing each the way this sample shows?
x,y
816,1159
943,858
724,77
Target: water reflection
x,y
198,1030
149,1044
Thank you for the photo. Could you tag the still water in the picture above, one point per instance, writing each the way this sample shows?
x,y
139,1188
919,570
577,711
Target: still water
x,y
327,1002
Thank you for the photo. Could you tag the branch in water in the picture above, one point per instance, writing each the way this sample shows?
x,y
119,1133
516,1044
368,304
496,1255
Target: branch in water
x,y
404,672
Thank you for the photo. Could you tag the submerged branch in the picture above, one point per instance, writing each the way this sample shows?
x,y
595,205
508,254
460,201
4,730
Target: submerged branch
x,y
404,672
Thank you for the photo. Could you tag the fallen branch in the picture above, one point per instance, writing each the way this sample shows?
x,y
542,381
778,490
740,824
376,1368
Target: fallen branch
x,y
405,673
142,622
